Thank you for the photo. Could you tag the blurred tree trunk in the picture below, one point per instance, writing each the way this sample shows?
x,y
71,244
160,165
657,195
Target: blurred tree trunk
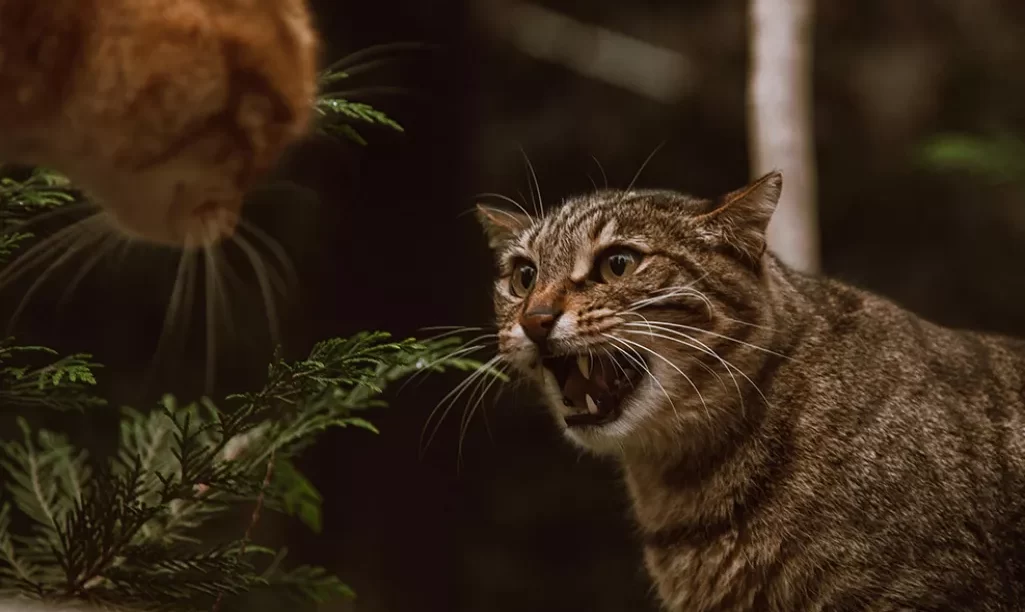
x,y
780,123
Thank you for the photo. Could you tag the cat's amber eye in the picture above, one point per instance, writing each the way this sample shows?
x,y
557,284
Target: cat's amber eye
x,y
523,277
617,263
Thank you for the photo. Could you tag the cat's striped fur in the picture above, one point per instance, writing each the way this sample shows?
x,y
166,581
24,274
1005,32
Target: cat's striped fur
x,y
800,444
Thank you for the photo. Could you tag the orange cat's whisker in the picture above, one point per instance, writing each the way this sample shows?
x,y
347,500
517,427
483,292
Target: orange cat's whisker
x,y
49,215
45,248
368,66
363,92
186,264
107,244
287,276
353,59
211,320
80,242
263,278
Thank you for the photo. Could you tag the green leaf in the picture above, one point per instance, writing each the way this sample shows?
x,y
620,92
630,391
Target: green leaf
x,y
312,583
298,495
45,477
1000,159
30,379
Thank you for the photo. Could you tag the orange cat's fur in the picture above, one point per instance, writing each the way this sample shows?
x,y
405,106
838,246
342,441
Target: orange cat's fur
x,y
165,111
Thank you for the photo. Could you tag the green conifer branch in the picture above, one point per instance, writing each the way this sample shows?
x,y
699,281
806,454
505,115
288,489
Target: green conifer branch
x,y
338,115
143,526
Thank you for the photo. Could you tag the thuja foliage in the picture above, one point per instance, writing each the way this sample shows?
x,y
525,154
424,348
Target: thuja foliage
x,y
131,529
166,521
339,115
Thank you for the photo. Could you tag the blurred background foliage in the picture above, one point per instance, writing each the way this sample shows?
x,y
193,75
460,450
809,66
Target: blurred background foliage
x,y
919,116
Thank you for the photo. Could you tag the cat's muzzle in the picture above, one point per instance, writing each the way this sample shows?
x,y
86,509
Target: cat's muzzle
x,y
594,385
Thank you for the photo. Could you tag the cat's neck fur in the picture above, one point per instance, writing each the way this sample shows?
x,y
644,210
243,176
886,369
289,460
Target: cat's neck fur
x,y
694,501
703,481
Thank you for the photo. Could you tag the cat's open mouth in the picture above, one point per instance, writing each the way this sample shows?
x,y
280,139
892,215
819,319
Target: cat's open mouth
x,y
596,386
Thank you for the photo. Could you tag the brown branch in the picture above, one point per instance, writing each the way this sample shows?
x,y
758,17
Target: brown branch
x,y
252,521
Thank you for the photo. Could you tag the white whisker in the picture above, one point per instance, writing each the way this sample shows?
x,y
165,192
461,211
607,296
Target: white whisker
x,y
450,399
674,366
537,186
639,362
463,350
601,168
698,345
468,413
706,331
643,166
649,325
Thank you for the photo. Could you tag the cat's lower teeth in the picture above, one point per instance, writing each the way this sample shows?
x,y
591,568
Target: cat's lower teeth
x,y
591,406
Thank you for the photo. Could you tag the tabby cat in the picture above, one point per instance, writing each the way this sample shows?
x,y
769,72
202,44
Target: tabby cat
x,y
788,442
166,111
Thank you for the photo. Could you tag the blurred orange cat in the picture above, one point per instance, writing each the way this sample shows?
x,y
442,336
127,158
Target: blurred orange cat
x,y
164,111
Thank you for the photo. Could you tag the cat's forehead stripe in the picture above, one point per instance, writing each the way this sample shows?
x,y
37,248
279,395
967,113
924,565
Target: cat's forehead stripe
x,y
569,217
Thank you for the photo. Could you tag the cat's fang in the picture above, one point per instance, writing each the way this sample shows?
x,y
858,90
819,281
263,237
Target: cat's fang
x,y
591,406
584,363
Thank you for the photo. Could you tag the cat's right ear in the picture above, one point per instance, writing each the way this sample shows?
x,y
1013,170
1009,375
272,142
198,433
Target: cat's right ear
x,y
501,225
739,219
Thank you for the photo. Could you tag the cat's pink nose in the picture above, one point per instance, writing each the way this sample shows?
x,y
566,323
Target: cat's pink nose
x,y
537,324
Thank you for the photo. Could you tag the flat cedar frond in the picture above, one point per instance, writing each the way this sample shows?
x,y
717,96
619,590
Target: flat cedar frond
x,y
21,200
42,190
42,380
338,114
307,582
12,241
45,477
131,529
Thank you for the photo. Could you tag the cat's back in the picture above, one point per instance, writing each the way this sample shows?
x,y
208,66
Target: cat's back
x,y
908,446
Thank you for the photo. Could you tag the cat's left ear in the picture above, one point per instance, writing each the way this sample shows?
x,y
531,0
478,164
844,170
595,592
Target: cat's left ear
x,y
740,218
501,225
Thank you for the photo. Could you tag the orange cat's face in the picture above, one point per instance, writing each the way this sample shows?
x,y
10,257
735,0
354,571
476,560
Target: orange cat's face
x,y
165,111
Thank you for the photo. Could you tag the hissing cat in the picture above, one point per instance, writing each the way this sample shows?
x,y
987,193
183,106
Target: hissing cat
x,y
788,442
166,111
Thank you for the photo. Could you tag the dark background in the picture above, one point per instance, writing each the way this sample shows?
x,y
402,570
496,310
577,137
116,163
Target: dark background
x,y
381,241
